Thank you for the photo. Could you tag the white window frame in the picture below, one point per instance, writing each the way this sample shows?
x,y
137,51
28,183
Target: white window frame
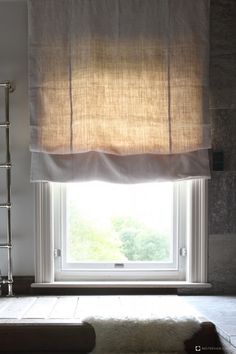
x,y
49,220
107,270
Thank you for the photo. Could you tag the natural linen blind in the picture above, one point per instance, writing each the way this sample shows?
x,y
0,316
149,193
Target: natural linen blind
x,y
118,89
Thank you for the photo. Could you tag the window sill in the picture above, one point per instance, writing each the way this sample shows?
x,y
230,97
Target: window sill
x,y
121,284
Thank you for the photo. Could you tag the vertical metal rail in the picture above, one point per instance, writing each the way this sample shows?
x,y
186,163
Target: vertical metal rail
x,y
7,166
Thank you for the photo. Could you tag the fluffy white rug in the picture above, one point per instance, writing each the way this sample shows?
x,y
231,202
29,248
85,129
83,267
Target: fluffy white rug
x,y
143,326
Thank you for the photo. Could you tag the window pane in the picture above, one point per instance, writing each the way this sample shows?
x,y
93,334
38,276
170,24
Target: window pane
x,y
119,223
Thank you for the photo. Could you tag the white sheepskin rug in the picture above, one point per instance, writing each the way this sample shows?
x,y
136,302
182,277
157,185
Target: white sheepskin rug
x,y
142,325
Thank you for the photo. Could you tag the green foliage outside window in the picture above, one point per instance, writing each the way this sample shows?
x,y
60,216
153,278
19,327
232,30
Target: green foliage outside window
x,y
122,239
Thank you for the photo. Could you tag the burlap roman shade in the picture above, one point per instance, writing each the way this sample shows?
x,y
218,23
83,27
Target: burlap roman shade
x,y
120,81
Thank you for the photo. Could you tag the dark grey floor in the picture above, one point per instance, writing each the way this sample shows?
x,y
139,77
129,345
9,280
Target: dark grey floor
x,y
221,310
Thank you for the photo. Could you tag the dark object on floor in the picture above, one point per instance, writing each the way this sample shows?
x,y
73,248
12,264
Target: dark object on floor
x,y
206,340
67,338
51,338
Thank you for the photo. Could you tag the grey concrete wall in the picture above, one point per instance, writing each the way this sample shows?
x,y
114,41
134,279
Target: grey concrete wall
x,y
222,187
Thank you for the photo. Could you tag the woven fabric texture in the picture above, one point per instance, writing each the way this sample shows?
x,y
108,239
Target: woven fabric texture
x,y
120,77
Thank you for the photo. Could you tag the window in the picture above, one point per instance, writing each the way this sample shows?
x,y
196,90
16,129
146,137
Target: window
x,y
103,231
115,99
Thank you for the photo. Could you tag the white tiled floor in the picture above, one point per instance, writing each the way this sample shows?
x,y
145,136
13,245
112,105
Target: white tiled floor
x,y
76,308
221,310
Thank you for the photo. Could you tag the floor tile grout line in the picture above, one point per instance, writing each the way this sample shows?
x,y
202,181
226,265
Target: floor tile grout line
x,y
53,307
28,308
77,303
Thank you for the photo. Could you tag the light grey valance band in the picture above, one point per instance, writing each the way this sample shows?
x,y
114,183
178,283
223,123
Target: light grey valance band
x,y
119,169
113,79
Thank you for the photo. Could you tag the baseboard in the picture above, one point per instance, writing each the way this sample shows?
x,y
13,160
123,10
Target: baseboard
x,y
21,285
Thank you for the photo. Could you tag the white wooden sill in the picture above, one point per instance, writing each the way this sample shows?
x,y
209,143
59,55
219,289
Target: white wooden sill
x,y
121,284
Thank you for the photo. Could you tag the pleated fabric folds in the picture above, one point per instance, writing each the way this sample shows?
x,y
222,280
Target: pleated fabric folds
x,y
119,89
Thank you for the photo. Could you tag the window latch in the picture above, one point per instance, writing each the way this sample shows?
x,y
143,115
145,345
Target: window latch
x,y
183,251
57,252
119,265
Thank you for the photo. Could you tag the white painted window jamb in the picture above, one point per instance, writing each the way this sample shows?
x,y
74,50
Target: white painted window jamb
x,y
44,242
197,231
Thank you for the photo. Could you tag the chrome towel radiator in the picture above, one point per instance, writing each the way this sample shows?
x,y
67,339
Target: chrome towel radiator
x,y
7,245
